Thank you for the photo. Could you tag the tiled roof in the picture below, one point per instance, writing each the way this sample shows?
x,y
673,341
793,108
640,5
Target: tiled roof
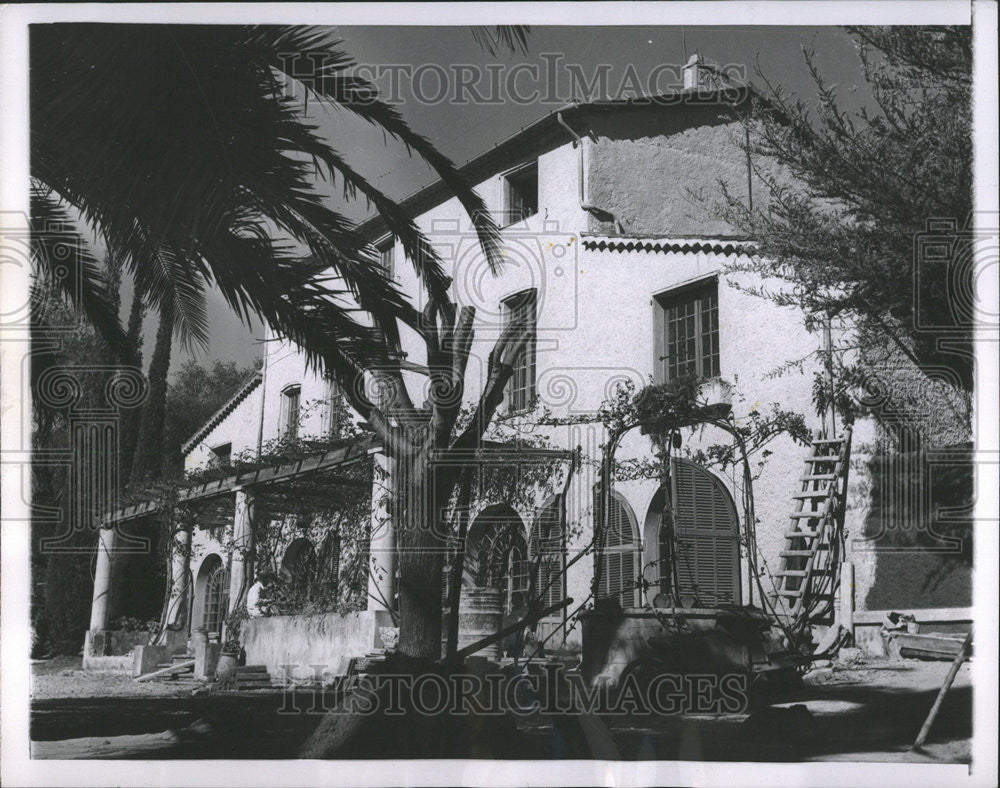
x,y
665,245
251,383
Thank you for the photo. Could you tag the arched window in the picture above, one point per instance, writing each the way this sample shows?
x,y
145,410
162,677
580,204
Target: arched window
x,y
705,537
502,560
619,567
216,600
546,553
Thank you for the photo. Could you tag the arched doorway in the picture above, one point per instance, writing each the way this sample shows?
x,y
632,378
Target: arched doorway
x,y
211,596
497,554
698,539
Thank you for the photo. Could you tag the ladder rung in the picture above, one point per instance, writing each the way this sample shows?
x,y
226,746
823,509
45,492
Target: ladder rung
x,y
790,573
795,553
808,515
808,495
792,592
819,477
827,441
823,458
804,533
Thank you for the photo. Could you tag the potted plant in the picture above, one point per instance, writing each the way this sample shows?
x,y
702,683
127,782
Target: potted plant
x,y
229,659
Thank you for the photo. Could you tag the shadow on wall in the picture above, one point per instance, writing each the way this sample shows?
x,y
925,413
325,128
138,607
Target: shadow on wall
x,y
920,526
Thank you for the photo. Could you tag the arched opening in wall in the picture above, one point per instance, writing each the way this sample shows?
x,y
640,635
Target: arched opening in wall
x,y
497,555
139,575
620,559
298,567
697,547
547,554
212,596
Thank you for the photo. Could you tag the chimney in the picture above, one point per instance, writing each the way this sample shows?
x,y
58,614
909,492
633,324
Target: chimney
x,y
692,73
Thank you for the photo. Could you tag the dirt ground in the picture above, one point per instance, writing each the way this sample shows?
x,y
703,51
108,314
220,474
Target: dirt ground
x,y
863,711
64,677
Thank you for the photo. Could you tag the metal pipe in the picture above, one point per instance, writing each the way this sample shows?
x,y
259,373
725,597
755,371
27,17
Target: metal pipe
x,y
598,213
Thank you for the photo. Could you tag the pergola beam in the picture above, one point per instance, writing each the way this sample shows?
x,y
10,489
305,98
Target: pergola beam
x,y
272,474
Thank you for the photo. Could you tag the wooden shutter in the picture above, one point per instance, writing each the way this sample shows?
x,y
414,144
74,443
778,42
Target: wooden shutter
x,y
706,536
618,560
546,541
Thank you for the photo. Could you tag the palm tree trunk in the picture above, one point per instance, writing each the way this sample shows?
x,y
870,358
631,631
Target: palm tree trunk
x,y
149,445
130,417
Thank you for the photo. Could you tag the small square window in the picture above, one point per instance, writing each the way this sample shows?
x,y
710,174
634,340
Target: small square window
x,y
520,194
221,456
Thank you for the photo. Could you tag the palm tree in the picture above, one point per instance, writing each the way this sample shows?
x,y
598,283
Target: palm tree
x,y
181,148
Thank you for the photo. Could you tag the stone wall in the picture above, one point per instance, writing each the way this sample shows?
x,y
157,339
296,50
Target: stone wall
x,y
300,647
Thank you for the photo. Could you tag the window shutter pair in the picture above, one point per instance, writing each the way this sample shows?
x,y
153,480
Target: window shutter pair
x,y
706,532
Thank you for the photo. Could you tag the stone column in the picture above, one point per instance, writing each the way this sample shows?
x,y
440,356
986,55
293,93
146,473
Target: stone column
x,y
382,560
99,608
180,578
241,567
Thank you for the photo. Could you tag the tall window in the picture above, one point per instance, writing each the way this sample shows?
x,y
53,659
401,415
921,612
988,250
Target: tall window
x,y
334,410
290,412
546,554
386,256
521,309
687,333
619,564
216,600
521,194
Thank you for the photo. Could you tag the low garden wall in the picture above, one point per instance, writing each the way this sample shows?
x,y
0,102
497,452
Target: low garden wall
x,y
111,649
304,647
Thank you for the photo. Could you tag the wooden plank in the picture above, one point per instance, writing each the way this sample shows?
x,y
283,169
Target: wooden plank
x,y
181,667
804,533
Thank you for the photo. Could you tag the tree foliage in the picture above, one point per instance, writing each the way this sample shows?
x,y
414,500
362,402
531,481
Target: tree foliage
x,y
846,231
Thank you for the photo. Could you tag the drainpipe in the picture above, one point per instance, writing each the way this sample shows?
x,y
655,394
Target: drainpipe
x,y
263,393
598,213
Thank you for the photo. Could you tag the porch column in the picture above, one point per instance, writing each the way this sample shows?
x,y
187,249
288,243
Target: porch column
x,y
241,567
180,564
99,607
382,543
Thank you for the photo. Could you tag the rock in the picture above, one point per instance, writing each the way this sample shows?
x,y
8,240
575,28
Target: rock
x,y
850,656
818,676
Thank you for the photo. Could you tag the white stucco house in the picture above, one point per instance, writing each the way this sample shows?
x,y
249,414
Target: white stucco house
x,y
623,271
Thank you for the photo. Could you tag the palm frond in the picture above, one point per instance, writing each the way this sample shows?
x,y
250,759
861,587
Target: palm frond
x,y
512,38
64,260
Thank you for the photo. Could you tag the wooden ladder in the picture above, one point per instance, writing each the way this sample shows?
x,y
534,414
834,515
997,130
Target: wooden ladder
x,y
809,573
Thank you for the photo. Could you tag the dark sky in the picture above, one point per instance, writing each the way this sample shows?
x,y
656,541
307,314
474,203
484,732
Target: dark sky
x,y
401,57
